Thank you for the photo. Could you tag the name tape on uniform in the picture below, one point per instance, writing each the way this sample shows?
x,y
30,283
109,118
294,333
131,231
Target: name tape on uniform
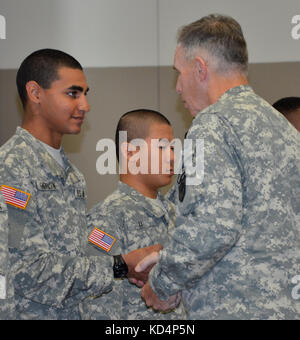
x,y
102,239
15,197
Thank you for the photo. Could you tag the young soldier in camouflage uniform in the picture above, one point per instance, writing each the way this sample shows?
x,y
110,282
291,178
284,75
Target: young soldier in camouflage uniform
x,y
236,245
46,194
136,214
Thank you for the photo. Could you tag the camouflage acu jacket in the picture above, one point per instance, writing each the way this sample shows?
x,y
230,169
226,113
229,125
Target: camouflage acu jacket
x,y
135,221
48,232
236,245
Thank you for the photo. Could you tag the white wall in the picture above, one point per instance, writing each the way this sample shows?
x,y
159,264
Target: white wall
x,y
99,33
266,25
105,33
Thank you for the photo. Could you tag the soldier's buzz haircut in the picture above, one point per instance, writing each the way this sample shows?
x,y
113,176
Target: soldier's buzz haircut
x,y
287,105
221,36
42,66
136,124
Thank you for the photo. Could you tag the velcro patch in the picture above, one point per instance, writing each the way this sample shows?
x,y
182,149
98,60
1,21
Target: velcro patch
x,y
102,239
80,193
15,197
46,186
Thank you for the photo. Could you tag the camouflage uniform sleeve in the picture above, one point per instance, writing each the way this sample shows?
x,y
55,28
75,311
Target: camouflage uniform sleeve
x,y
3,257
107,306
3,237
43,273
101,218
209,219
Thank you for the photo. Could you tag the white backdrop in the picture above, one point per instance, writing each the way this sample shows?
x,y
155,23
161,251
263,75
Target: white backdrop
x,y
121,33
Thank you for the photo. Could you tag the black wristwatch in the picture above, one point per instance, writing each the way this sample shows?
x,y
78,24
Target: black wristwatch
x,y
120,267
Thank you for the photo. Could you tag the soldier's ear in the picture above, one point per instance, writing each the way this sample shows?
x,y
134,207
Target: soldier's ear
x,y
200,68
33,90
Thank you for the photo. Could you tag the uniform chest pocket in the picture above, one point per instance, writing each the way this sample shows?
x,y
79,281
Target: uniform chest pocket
x,y
49,199
55,212
76,197
144,232
74,220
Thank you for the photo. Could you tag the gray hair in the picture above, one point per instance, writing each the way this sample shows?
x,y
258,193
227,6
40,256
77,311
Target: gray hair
x,y
221,37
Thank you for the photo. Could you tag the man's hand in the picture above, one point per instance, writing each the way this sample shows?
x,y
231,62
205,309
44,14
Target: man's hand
x,y
153,301
136,256
149,261
145,265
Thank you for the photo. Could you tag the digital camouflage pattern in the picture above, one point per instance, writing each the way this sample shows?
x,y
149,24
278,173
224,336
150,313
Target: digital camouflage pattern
x,y
135,221
236,245
48,240
7,306
3,236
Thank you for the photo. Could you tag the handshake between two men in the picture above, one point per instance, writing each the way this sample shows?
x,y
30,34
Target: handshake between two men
x,y
140,262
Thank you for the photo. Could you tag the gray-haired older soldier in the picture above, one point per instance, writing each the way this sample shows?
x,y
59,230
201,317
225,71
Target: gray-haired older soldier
x,y
46,195
235,251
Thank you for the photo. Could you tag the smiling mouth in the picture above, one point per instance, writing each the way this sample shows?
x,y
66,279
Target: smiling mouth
x,y
79,119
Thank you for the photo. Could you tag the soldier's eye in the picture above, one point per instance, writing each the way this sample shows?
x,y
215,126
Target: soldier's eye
x,y
73,94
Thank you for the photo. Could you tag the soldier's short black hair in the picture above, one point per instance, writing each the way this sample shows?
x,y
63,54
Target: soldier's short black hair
x,y
42,66
287,105
136,124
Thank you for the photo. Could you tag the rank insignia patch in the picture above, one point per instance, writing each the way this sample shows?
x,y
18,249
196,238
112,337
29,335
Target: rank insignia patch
x,y
101,239
15,197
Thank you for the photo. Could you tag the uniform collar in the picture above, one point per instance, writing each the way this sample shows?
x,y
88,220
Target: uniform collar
x,y
231,93
236,90
47,162
146,202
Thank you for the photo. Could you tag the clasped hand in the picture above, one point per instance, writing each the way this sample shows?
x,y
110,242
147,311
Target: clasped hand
x,y
140,262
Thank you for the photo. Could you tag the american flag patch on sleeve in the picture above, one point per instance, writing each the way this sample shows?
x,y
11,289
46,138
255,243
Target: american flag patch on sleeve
x,y
15,197
101,239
